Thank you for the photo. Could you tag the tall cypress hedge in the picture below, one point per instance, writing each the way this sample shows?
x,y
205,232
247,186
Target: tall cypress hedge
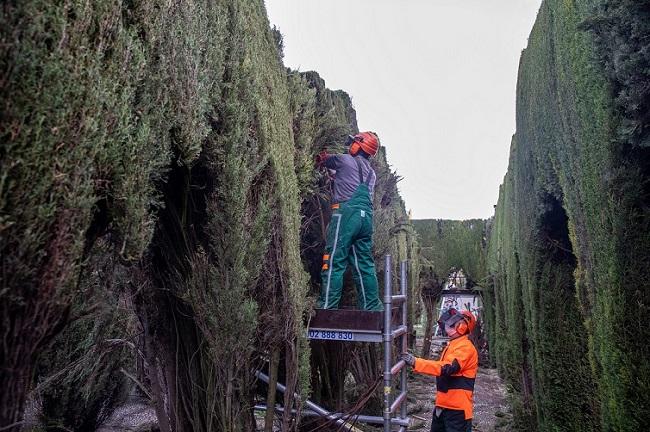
x,y
569,290
157,189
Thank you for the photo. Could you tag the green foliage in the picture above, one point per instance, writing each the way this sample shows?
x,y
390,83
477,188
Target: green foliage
x,y
217,387
562,269
236,208
82,376
620,29
171,135
395,234
80,154
460,244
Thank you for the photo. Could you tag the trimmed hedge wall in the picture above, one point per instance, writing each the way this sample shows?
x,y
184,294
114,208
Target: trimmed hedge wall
x,y
570,242
158,161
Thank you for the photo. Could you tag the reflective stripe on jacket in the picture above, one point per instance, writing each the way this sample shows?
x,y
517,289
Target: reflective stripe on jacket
x,y
455,372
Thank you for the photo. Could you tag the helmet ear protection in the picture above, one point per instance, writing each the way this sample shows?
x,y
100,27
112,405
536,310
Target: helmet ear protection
x,y
368,142
354,148
353,142
462,327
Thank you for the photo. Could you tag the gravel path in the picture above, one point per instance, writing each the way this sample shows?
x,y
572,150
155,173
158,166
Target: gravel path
x,y
134,415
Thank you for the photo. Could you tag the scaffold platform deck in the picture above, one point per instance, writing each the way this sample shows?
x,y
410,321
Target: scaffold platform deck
x,y
349,325
387,327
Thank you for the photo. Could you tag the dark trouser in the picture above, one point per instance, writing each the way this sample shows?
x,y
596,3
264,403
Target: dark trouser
x,y
450,421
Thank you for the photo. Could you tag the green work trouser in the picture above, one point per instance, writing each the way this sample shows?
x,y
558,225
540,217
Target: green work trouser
x,y
349,240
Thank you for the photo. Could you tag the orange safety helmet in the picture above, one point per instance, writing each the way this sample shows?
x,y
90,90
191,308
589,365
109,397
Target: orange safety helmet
x,y
366,141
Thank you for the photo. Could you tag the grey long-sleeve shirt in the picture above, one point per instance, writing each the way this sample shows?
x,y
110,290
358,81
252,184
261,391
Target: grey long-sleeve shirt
x,y
346,179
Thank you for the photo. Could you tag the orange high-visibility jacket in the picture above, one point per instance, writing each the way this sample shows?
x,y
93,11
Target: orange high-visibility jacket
x,y
455,372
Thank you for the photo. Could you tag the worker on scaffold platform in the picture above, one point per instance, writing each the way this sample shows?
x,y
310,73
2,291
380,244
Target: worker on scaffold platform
x,y
455,374
349,234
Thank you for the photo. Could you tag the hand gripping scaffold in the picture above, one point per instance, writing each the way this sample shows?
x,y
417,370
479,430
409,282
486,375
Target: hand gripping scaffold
x,y
386,327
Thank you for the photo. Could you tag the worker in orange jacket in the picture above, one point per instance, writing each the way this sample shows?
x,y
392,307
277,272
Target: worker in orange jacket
x,y
455,373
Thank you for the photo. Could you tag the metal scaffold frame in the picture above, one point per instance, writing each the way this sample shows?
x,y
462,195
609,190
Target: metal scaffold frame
x,y
395,409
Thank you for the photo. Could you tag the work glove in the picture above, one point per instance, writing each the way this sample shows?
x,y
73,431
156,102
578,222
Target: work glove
x,y
321,158
409,359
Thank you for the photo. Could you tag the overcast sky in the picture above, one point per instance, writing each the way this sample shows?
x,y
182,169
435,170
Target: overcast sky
x,y
434,78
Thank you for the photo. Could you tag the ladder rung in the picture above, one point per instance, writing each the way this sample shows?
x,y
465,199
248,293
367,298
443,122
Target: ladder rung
x,y
399,331
398,402
398,298
398,367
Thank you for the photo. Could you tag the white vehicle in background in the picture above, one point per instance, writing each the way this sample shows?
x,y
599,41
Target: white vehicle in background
x,y
455,295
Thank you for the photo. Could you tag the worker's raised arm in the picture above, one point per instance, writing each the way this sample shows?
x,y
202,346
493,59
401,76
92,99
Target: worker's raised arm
x,y
332,161
436,367
429,367
457,357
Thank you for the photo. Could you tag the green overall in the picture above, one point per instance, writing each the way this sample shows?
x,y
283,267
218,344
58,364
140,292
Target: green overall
x,y
349,239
